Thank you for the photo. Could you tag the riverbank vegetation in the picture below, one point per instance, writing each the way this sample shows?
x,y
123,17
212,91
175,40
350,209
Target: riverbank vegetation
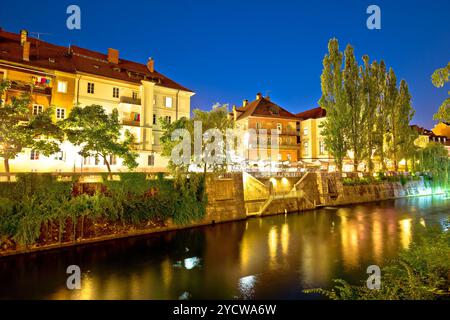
x,y
39,209
421,272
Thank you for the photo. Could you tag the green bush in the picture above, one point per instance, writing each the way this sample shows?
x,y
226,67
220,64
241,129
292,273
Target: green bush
x,y
35,200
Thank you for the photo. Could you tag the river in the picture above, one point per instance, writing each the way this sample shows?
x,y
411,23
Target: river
x,y
260,258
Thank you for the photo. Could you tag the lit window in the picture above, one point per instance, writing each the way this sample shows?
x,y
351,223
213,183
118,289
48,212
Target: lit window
x,y
168,102
154,100
279,127
60,156
62,86
34,155
305,131
115,92
321,147
37,109
306,148
90,87
60,113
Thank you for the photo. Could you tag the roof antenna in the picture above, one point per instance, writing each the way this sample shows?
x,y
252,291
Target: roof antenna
x,y
38,34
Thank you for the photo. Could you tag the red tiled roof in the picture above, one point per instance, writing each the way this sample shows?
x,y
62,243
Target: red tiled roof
x,y
263,107
312,114
75,59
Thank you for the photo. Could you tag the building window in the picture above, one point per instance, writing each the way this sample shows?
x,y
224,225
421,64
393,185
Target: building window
x,y
306,148
115,92
60,156
90,87
279,127
169,119
62,86
168,102
34,155
135,95
289,157
154,118
321,147
279,156
305,131
154,100
60,113
151,160
37,109
258,125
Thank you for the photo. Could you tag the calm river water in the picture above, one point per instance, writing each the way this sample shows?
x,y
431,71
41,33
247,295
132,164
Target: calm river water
x,y
272,257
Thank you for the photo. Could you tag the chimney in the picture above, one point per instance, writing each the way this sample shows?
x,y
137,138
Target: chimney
x,y
234,113
23,36
26,51
113,56
258,95
151,64
267,98
244,102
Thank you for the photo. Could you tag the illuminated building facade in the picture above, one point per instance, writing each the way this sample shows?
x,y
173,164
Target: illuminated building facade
x,y
62,77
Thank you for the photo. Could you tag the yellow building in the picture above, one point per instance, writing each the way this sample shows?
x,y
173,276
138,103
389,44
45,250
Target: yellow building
x,y
262,114
442,129
62,77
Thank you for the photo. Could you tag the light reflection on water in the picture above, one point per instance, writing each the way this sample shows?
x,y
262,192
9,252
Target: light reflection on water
x,y
271,257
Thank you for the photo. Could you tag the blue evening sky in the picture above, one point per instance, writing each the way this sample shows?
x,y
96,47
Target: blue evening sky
x,y
227,51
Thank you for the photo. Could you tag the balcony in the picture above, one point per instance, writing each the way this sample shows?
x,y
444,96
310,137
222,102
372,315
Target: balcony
x,y
130,100
131,119
28,88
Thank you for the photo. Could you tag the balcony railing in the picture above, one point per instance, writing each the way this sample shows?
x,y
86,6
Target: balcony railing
x,y
130,100
130,122
25,87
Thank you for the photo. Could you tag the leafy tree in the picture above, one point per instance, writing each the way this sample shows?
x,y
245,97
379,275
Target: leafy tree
x,y
381,123
334,101
439,78
20,129
434,160
353,90
408,150
217,118
371,100
99,135
400,113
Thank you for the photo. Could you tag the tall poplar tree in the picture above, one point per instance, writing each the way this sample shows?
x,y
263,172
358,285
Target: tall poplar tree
x,y
371,101
406,135
353,91
334,101
381,125
393,137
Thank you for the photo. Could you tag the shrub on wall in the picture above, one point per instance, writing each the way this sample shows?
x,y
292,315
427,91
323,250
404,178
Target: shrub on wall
x,y
36,200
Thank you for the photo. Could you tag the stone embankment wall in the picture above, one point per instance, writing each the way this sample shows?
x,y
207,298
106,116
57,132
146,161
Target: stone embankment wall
x,y
225,198
318,189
